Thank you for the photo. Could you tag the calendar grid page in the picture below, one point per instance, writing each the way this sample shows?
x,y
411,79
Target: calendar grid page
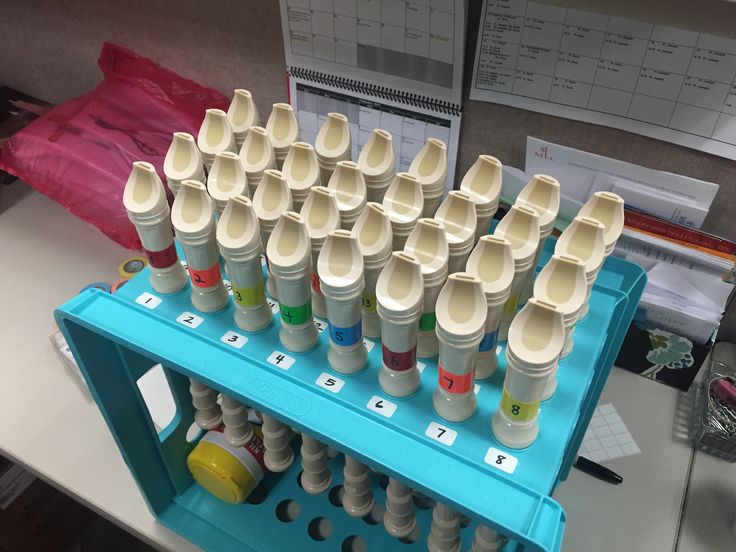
x,y
410,127
672,84
411,45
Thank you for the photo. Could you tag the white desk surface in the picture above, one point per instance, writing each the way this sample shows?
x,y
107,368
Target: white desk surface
x,y
51,427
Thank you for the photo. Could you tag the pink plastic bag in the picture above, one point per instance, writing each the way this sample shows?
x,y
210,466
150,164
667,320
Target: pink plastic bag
x,y
80,153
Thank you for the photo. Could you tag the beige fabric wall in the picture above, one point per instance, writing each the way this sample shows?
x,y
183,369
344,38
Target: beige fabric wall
x,y
49,48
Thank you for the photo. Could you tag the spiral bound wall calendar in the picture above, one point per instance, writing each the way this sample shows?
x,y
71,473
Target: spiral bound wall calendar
x,y
390,64
672,84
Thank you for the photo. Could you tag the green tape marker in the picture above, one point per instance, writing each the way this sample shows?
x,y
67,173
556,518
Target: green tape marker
x,y
427,322
296,315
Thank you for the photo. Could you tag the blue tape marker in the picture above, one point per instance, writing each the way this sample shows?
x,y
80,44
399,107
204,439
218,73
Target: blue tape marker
x,y
345,337
488,342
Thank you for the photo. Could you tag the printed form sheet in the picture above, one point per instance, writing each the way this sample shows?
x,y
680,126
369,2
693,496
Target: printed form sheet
x,y
409,127
672,84
414,45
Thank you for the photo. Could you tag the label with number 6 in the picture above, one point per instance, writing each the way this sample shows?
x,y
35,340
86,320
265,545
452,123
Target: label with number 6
x,y
345,337
517,410
455,383
249,297
399,361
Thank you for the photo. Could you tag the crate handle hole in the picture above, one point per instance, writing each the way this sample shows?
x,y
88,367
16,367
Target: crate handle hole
x,y
159,400
288,510
354,543
193,433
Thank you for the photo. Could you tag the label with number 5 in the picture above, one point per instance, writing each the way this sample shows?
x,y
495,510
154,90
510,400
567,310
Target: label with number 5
x,y
331,383
517,410
346,337
455,383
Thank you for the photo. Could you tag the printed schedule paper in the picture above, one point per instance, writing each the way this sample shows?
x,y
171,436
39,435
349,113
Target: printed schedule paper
x,y
390,64
672,84
412,45
409,126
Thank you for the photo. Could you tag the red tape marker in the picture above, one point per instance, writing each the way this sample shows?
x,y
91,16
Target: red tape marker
x,y
455,383
205,278
399,361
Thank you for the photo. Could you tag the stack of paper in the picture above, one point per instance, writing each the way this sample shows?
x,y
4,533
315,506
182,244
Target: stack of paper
x,y
670,196
690,273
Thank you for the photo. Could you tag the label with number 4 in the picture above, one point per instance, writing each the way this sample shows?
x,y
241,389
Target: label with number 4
x,y
501,460
331,383
279,359
189,319
149,301
234,339
440,433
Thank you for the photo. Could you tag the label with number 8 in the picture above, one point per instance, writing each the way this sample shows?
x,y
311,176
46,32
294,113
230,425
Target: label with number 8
x,y
455,383
517,410
500,459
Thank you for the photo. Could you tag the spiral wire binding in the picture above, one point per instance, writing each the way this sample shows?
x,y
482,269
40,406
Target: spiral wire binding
x,y
377,91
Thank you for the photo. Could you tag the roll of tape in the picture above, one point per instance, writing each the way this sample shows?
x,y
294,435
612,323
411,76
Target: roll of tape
x,y
130,267
104,286
117,285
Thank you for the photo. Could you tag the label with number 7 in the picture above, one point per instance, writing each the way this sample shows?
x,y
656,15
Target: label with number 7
x,y
455,383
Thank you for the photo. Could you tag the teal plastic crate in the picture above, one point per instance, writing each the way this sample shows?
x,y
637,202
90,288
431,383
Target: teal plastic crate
x,y
118,338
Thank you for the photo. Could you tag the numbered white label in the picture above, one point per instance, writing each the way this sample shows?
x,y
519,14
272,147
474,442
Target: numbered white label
x,y
501,460
234,339
421,366
331,383
440,433
274,305
321,325
277,358
228,286
189,319
368,344
149,301
476,389
381,406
